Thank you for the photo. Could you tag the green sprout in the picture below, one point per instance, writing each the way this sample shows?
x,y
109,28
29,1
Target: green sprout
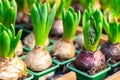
x,y
8,12
42,20
92,28
115,8
22,4
70,21
112,28
85,3
64,4
112,7
8,41
31,2
105,4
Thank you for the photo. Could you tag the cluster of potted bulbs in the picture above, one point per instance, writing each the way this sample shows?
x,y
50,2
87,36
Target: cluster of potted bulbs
x,y
57,18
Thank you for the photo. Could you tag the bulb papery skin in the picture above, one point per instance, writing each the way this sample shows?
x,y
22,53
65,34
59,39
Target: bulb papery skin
x,y
79,42
63,49
19,49
30,41
38,59
90,62
12,69
111,50
57,29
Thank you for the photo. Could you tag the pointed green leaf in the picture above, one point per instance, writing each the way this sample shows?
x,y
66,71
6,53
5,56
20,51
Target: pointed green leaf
x,y
50,20
13,46
105,24
35,17
118,37
6,6
4,44
78,17
113,32
10,17
63,15
12,29
1,12
85,18
68,25
14,5
2,27
43,17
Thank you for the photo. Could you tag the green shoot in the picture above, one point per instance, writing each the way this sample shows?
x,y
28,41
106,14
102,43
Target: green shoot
x,y
115,8
70,21
63,4
112,29
105,4
8,12
85,3
31,2
92,28
22,5
42,20
8,41
112,7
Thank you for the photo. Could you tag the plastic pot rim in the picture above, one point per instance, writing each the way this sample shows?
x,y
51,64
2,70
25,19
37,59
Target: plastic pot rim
x,y
87,75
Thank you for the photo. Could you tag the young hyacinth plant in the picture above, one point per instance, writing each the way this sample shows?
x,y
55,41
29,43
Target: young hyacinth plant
x,y
90,59
112,7
57,29
111,48
7,38
30,39
115,10
64,47
11,66
42,19
8,12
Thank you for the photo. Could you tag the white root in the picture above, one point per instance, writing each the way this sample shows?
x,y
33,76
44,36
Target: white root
x,y
30,41
38,59
63,49
12,69
19,49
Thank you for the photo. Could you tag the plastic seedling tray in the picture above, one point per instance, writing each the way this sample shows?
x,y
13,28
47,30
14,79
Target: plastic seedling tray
x,y
30,78
47,72
25,31
114,67
84,76
64,62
